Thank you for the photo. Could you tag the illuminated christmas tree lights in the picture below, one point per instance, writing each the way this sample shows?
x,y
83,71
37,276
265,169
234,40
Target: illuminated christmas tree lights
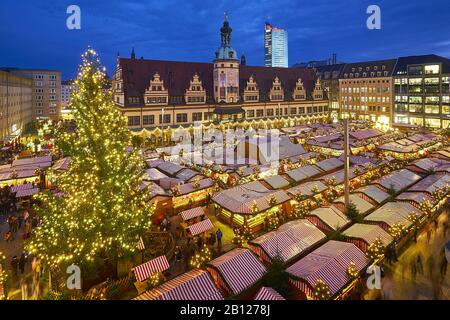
x,y
104,208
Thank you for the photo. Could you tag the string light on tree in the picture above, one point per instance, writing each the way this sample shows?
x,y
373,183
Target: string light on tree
x,y
375,250
202,257
104,208
352,270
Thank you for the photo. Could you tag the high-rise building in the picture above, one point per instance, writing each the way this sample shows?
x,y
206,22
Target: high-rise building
x,y
15,106
46,95
275,47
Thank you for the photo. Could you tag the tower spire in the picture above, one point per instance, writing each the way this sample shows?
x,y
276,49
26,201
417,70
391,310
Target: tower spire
x,y
133,54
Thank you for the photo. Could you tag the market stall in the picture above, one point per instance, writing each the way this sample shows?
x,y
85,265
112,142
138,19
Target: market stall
x,y
373,194
363,235
328,218
288,242
328,264
236,271
191,194
146,270
248,205
192,285
361,205
393,213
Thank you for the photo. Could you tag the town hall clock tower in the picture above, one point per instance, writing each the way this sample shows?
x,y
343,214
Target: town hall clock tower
x,y
226,68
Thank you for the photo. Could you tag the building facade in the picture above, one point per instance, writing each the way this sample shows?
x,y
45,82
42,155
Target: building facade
x,y
160,94
329,76
366,91
275,47
15,106
422,91
46,92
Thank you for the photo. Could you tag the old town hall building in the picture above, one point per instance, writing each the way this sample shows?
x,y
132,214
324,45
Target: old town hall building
x,y
157,94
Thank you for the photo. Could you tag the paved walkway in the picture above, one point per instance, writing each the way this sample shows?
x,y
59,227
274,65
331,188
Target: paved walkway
x,y
413,278
14,248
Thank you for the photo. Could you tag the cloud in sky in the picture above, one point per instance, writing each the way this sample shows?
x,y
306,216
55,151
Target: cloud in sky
x,y
189,30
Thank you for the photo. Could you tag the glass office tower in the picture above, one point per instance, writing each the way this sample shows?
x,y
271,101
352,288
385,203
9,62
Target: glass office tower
x,y
275,47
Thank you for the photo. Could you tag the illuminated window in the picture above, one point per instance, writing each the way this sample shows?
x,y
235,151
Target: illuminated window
x,y
432,69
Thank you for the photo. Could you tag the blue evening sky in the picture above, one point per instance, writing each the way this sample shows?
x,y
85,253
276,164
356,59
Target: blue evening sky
x,y
33,33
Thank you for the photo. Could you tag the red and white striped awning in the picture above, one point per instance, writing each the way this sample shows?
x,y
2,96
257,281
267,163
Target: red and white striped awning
x,y
192,213
21,187
193,285
289,240
140,244
239,268
26,193
329,263
201,227
145,270
267,293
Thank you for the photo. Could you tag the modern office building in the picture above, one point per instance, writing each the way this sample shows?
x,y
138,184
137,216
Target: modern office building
x,y
275,47
366,91
422,91
15,106
156,94
46,91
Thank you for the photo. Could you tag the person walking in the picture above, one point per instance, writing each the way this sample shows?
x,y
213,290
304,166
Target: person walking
x,y
22,260
419,264
219,239
14,265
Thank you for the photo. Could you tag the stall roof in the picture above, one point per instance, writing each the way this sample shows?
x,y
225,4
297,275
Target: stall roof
x,y
239,268
189,187
193,285
374,193
186,174
169,168
361,205
277,182
267,293
240,199
394,212
417,197
331,216
37,161
192,213
289,240
330,164
154,163
306,188
431,183
399,180
154,174
329,263
303,173
339,175
365,134
62,164
369,233
327,138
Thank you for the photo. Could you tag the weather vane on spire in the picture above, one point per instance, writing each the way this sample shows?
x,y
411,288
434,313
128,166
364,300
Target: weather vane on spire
x,y
225,15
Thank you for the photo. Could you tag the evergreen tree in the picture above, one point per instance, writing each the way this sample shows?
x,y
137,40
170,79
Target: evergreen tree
x,y
278,278
103,209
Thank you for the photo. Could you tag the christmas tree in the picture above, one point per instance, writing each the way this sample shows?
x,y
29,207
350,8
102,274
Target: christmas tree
x,y
103,209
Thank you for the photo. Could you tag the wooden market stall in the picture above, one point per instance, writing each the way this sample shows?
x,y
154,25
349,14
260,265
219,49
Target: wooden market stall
x,y
290,241
363,235
236,271
329,263
248,205
192,285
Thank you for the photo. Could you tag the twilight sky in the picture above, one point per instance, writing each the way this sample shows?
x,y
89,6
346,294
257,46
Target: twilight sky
x,y
33,33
